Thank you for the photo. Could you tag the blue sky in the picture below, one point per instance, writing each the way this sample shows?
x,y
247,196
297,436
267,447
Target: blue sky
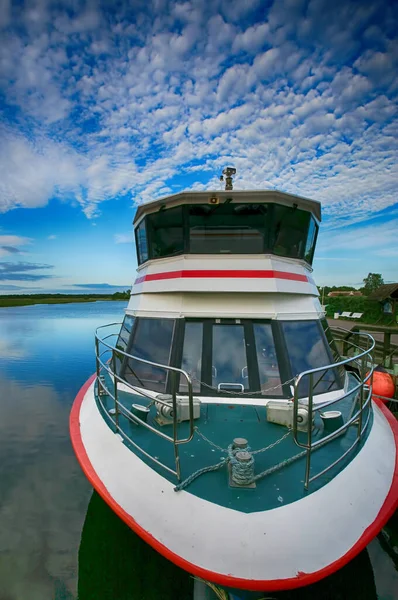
x,y
107,105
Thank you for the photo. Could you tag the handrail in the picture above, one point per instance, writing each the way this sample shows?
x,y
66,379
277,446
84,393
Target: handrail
x,y
361,359
110,368
365,376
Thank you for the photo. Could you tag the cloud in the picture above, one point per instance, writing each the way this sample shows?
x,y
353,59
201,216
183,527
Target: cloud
x,y
7,287
52,237
96,285
21,271
9,250
9,244
104,104
124,238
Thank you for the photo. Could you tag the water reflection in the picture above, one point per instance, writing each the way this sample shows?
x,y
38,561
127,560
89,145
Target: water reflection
x,y
47,354
42,495
114,563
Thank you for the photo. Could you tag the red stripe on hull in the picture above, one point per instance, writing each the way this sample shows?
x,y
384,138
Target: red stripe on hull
x,y
302,579
222,274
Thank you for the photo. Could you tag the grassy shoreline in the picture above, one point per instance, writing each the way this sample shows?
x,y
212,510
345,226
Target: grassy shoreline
x,y
31,299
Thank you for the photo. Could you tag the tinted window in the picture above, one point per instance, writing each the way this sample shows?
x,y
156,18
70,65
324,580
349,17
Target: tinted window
x,y
289,231
152,341
307,349
229,362
267,361
166,232
311,238
141,241
227,229
192,356
125,331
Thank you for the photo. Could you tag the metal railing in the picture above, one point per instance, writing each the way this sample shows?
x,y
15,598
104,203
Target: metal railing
x,y
363,360
107,355
384,352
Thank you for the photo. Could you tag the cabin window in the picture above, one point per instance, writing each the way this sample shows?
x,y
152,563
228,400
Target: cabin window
x,y
151,340
125,332
227,228
142,242
311,238
289,231
123,341
268,370
307,349
166,232
229,370
192,355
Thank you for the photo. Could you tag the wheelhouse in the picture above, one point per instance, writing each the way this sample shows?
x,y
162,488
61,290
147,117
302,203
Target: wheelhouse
x,y
222,223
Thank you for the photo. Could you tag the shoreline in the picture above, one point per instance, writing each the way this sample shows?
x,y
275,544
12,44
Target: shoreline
x,y
16,301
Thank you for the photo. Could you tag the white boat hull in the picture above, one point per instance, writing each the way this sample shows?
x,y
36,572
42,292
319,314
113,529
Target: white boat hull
x,y
286,547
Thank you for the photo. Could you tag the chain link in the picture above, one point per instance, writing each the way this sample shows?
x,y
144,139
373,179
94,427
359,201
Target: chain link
x,y
235,393
210,442
274,444
225,451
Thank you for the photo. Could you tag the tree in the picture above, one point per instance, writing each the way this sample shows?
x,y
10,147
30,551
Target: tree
x,y
372,282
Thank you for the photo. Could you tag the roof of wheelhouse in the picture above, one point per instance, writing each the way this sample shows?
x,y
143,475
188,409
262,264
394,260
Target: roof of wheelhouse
x,y
240,196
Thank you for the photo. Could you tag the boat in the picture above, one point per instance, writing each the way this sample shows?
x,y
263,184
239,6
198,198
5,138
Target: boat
x,y
223,424
115,563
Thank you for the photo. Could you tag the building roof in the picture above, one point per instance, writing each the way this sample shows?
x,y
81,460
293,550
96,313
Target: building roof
x,y
242,196
345,293
388,290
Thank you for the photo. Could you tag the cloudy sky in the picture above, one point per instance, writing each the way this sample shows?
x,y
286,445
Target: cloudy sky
x,y
107,105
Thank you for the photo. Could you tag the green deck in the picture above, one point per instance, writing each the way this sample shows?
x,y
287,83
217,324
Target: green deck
x,y
221,423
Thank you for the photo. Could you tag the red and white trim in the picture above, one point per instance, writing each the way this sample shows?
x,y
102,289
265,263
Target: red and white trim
x,y
224,274
284,548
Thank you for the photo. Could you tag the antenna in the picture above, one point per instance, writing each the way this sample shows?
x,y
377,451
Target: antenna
x,y
228,172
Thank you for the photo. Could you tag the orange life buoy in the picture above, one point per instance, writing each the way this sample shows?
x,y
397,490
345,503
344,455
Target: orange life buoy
x,y
383,384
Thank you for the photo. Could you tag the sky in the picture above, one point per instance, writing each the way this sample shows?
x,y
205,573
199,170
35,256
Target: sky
x,y
106,105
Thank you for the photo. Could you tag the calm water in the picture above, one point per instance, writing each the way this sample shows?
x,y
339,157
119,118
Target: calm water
x,y
47,353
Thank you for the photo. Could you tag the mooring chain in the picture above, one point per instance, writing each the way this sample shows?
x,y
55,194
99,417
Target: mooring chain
x,y
273,444
210,442
235,393
225,451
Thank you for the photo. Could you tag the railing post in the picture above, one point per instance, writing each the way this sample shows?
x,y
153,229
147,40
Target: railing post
x,y
175,424
361,394
115,389
97,364
309,430
386,349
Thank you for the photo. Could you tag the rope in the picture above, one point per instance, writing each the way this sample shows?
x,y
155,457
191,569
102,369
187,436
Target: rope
x,y
197,473
242,470
284,463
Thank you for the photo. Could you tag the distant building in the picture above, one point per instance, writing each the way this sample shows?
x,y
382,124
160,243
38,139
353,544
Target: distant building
x,y
387,295
350,293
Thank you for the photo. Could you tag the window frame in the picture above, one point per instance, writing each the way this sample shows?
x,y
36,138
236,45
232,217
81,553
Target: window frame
x,y
327,348
251,354
137,246
170,356
280,345
268,227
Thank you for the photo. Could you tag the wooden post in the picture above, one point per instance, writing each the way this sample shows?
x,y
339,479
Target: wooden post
x,y
387,349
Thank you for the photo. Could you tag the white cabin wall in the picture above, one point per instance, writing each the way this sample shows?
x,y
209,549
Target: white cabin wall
x,y
226,305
